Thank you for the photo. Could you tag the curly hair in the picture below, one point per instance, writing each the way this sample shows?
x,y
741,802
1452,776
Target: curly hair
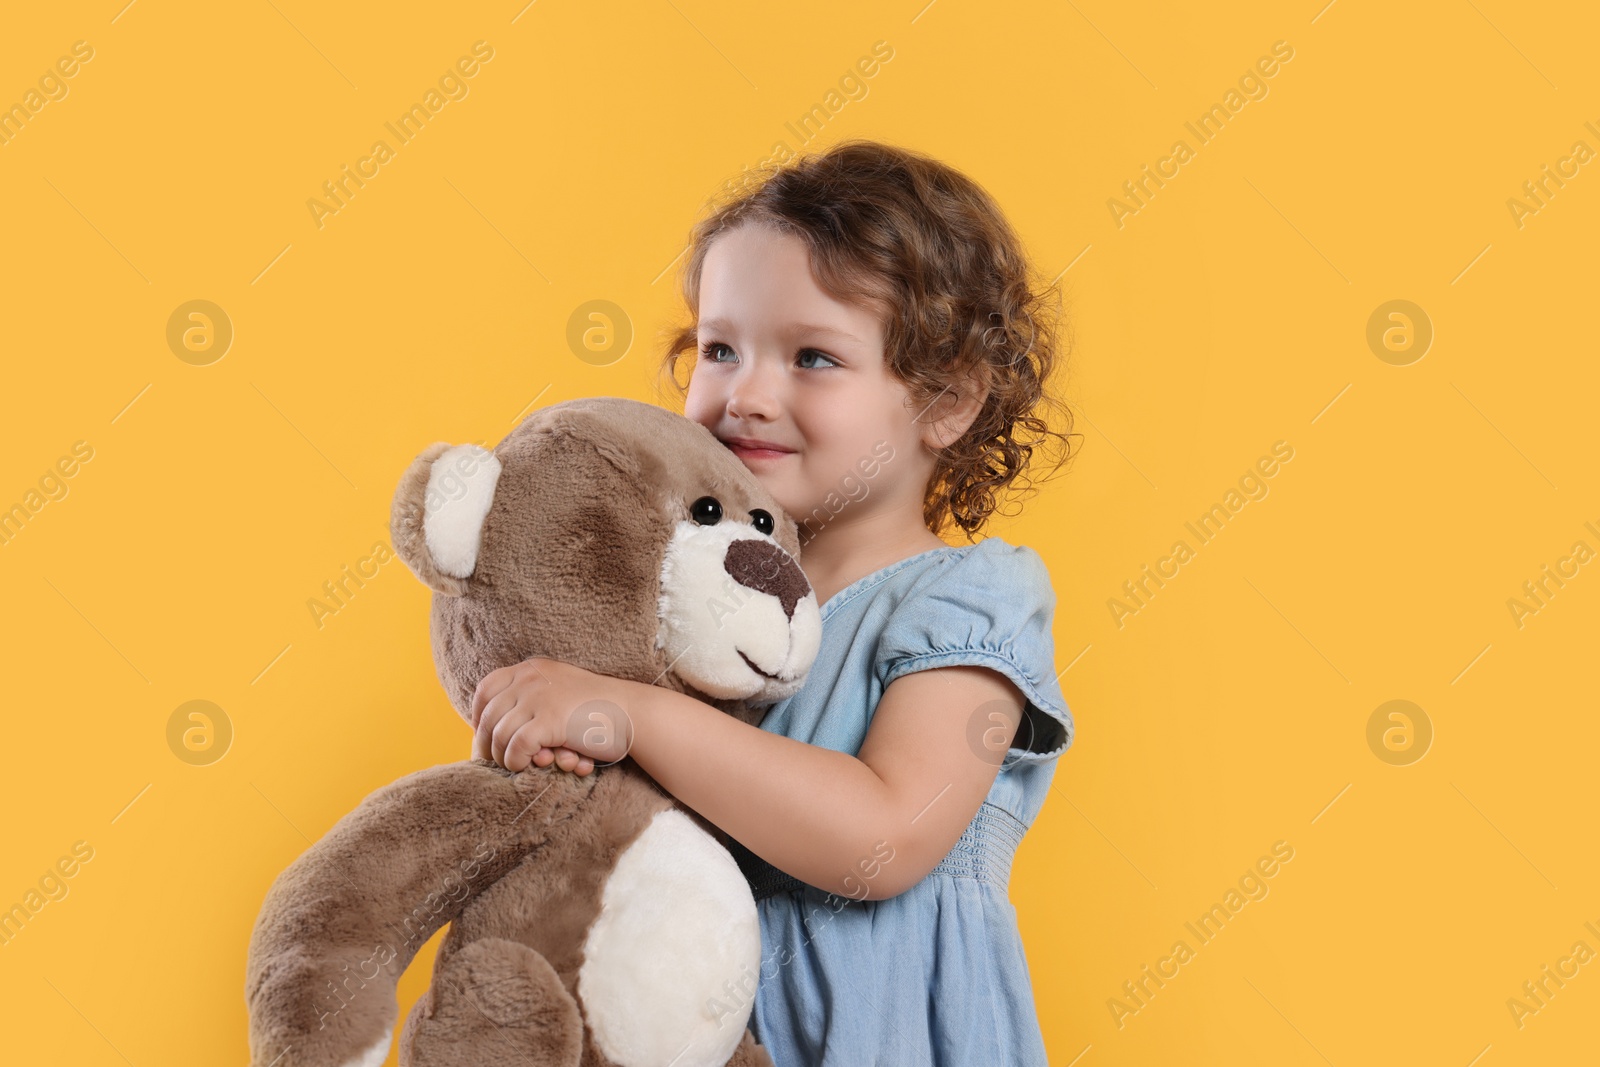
x,y
903,234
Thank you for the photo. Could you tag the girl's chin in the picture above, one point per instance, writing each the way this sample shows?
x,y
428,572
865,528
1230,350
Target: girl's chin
x,y
782,493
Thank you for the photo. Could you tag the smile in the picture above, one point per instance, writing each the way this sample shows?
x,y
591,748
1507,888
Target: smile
x,y
758,453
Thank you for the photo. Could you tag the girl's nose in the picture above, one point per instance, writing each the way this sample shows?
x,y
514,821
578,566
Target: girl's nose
x,y
755,392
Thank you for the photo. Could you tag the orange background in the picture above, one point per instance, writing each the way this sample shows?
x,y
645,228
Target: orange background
x,y
1229,312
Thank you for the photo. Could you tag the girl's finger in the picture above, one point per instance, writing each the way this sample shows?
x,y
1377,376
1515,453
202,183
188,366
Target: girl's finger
x,y
521,747
488,687
567,760
512,756
495,710
503,720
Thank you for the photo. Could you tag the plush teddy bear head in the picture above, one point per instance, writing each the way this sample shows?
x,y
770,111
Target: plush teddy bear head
x,y
616,536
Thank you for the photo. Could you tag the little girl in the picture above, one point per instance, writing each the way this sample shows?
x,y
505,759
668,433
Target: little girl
x,y
869,343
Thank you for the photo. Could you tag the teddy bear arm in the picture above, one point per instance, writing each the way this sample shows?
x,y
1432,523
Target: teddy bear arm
x,y
340,925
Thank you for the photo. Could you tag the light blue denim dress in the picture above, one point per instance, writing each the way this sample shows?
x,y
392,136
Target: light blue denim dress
x,y
935,976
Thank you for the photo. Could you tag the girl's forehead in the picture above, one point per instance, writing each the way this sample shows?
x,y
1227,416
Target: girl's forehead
x,y
756,279
788,326
788,312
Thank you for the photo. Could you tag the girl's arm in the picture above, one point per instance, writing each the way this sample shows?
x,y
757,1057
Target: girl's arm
x,y
868,826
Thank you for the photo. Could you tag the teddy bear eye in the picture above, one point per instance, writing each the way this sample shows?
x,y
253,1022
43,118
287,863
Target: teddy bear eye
x,y
762,521
707,511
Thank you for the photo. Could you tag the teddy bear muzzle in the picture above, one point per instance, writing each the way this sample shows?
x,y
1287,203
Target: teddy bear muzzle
x,y
738,619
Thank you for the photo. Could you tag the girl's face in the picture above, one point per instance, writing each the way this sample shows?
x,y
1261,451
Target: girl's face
x,y
784,364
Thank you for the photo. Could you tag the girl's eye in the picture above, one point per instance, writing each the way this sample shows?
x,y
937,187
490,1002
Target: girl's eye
x,y
813,352
709,350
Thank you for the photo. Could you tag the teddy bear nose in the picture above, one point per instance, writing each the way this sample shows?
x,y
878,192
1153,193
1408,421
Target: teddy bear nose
x,y
766,568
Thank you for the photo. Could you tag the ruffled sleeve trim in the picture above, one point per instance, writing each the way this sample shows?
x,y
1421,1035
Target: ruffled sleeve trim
x,y
990,606
1046,729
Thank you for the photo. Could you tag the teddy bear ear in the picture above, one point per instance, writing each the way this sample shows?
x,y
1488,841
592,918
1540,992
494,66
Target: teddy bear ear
x,y
438,513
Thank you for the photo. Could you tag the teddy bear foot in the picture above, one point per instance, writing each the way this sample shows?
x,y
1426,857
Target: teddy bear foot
x,y
495,1003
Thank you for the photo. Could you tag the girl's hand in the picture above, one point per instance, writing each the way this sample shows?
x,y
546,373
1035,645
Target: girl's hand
x,y
542,710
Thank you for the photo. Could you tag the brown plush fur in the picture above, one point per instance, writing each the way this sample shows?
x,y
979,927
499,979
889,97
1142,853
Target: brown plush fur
x,y
569,566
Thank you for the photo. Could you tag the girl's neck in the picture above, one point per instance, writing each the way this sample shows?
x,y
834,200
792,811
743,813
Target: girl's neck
x,y
848,549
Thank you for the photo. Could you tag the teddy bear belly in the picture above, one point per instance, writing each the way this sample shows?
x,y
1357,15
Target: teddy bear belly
x,y
670,962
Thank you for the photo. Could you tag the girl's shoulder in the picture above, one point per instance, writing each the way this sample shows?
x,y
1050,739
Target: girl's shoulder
x,y
1001,560
979,573
990,596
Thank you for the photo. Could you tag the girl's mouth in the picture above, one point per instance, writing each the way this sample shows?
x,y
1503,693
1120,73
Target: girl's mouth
x,y
758,453
755,448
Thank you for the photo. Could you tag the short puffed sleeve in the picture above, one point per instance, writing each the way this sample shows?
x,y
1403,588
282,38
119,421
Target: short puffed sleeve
x,y
989,607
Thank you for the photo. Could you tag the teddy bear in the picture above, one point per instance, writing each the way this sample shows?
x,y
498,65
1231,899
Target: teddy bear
x,y
594,920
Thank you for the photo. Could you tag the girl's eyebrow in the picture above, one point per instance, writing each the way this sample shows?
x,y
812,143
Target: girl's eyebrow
x,y
796,328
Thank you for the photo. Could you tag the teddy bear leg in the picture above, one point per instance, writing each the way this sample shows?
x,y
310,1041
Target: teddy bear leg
x,y
495,1003
749,1054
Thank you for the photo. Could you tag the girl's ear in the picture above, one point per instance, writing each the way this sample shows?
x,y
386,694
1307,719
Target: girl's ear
x,y
952,412
437,517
